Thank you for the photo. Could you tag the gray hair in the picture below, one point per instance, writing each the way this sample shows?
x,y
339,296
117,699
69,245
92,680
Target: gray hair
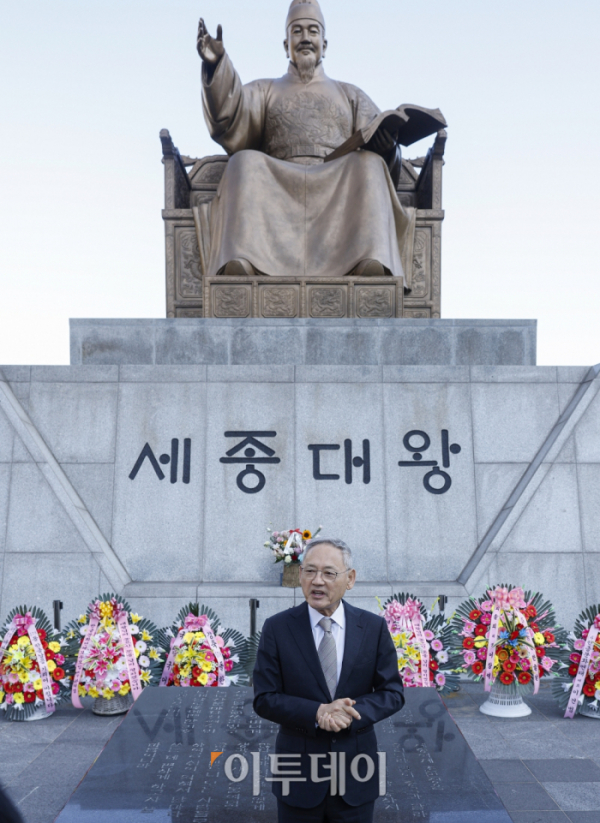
x,y
338,544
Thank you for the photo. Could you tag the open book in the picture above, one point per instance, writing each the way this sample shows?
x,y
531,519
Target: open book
x,y
409,122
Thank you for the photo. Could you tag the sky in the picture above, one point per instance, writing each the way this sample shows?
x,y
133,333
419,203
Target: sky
x,y
88,84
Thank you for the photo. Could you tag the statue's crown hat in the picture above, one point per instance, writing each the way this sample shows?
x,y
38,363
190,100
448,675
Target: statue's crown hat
x,y
305,10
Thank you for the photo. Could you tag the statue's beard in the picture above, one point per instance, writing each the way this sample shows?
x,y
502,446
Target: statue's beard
x,y
306,65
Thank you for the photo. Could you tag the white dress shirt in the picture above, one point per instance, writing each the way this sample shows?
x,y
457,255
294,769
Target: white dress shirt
x,y
338,630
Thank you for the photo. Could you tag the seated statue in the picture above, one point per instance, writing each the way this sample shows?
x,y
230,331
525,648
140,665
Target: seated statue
x,y
280,210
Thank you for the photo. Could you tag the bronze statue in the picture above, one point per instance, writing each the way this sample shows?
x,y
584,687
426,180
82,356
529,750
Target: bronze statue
x,y
280,209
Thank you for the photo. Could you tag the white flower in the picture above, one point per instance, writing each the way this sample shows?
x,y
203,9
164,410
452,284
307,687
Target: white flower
x,y
144,661
442,656
83,629
134,629
141,646
287,558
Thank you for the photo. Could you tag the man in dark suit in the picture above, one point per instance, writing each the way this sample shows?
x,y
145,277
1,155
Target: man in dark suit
x,y
326,672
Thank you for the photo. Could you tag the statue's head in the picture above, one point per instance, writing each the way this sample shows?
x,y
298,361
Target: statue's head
x,y
305,42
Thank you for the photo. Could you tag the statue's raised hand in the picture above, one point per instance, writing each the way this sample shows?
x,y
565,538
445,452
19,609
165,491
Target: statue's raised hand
x,y
210,49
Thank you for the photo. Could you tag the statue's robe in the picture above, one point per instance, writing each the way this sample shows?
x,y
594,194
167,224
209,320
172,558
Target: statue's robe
x,y
278,205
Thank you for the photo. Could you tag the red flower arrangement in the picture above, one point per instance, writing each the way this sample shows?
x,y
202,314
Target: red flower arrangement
x,y
421,640
578,690
35,671
523,630
201,652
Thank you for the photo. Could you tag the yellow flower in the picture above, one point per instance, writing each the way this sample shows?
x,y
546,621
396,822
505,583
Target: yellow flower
x,y
54,646
153,654
82,618
1,696
146,636
37,684
80,689
206,666
18,698
93,692
539,639
125,689
23,677
137,652
106,609
203,679
108,694
188,637
51,665
306,535
23,641
135,617
145,676
480,642
496,661
199,636
70,634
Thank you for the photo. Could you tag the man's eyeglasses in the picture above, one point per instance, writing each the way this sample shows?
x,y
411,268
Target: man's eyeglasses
x,y
329,577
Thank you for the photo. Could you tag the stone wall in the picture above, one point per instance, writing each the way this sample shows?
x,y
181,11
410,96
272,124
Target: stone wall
x,y
522,504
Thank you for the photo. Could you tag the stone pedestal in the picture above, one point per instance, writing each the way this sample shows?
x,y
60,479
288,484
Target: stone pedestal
x,y
122,471
302,341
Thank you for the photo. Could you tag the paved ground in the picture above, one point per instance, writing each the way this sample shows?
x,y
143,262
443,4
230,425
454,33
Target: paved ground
x,y
544,768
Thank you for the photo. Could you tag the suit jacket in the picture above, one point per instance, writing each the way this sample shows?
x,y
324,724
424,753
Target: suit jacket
x,y
289,687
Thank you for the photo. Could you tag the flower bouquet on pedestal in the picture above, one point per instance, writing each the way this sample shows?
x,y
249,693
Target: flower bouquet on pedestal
x,y
202,652
509,639
118,654
288,547
577,690
35,674
423,643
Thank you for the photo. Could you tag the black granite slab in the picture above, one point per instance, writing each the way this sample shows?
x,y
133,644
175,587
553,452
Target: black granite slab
x,y
156,767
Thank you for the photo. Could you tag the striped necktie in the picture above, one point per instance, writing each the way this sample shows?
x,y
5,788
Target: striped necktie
x,y
328,655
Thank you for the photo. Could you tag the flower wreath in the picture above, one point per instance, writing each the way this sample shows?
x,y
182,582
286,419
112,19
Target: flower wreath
x,y
117,651
423,643
34,669
581,685
289,545
522,631
202,652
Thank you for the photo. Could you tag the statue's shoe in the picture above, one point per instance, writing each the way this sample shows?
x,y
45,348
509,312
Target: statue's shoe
x,y
238,268
369,268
